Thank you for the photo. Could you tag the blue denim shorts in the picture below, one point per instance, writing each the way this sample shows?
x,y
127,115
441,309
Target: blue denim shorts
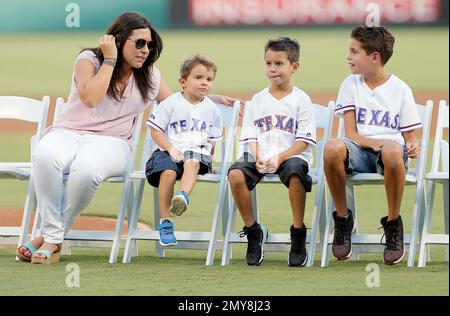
x,y
161,161
363,160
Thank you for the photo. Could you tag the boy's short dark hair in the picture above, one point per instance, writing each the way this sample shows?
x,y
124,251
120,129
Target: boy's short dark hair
x,y
188,64
375,39
284,44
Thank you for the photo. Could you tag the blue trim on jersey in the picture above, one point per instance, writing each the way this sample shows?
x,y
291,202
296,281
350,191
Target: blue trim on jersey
x,y
156,125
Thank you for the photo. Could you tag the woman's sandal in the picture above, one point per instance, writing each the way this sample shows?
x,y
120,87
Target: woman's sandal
x,y
28,245
49,257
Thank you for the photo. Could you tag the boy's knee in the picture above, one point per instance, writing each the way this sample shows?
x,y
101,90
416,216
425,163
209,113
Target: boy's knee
x,y
294,181
169,174
334,151
192,163
236,177
392,155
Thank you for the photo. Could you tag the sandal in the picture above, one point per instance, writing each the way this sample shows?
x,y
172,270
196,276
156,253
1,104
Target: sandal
x,y
28,245
49,257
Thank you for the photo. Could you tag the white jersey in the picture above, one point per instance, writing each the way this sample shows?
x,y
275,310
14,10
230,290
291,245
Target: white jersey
x,y
382,113
277,124
187,126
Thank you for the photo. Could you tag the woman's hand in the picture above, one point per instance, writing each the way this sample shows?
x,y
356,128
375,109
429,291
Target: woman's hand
x,y
108,46
222,99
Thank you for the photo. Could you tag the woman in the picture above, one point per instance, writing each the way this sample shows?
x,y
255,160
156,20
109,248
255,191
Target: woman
x,y
111,85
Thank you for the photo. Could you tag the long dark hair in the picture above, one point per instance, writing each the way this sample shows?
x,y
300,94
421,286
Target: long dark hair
x,y
121,29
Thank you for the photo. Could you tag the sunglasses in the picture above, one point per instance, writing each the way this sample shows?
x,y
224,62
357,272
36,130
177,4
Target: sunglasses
x,y
140,43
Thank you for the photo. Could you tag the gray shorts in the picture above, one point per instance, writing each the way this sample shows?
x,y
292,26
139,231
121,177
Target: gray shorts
x,y
364,160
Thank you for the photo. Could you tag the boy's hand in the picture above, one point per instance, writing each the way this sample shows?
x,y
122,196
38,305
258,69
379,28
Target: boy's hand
x,y
176,154
261,166
377,144
413,149
272,164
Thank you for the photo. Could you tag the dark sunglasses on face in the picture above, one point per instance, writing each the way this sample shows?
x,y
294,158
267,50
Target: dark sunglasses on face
x,y
140,43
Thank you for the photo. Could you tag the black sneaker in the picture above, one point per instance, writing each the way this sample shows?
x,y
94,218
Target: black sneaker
x,y
342,241
256,236
395,245
298,255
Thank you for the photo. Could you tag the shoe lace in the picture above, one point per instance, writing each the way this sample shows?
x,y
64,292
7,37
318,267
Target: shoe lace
x,y
253,240
166,230
341,229
392,238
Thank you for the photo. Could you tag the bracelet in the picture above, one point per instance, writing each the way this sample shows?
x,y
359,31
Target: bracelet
x,y
110,61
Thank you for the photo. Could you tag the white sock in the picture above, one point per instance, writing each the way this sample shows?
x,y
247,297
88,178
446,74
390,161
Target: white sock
x,y
163,219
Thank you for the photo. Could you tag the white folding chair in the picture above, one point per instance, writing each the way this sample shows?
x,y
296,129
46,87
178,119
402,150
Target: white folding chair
x,y
279,241
363,243
90,238
440,154
30,110
185,239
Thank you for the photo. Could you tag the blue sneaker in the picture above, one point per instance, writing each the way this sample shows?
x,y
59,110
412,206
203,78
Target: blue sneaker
x,y
179,203
166,234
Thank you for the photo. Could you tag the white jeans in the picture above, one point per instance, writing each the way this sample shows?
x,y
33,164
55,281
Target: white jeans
x,y
86,160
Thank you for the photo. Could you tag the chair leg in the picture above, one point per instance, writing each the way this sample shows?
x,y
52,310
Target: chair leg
x,y
220,208
445,193
327,232
159,250
317,212
120,220
226,252
417,215
132,222
27,210
423,252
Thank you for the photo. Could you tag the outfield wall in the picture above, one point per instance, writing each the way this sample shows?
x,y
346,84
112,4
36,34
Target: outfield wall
x,y
86,15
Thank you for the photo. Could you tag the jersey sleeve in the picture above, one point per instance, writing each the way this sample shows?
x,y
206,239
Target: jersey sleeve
x,y
346,99
216,131
306,123
409,116
160,117
249,132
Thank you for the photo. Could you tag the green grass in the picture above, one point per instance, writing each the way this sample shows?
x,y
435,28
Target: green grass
x,y
189,276
184,273
420,59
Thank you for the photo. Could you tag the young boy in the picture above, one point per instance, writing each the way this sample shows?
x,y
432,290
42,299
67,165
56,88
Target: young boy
x,y
380,119
279,128
185,127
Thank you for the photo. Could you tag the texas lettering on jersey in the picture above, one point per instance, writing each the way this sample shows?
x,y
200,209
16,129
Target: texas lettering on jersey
x,y
196,126
282,122
377,118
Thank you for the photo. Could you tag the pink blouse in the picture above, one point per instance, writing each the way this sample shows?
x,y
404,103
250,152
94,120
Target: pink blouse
x,y
109,117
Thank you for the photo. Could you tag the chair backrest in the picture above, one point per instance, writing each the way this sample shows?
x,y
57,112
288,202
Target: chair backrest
x,y
425,118
324,120
134,136
440,147
229,116
26,109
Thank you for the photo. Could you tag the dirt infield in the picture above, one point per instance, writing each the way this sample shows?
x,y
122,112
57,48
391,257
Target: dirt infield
x,y
13,217
320,98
